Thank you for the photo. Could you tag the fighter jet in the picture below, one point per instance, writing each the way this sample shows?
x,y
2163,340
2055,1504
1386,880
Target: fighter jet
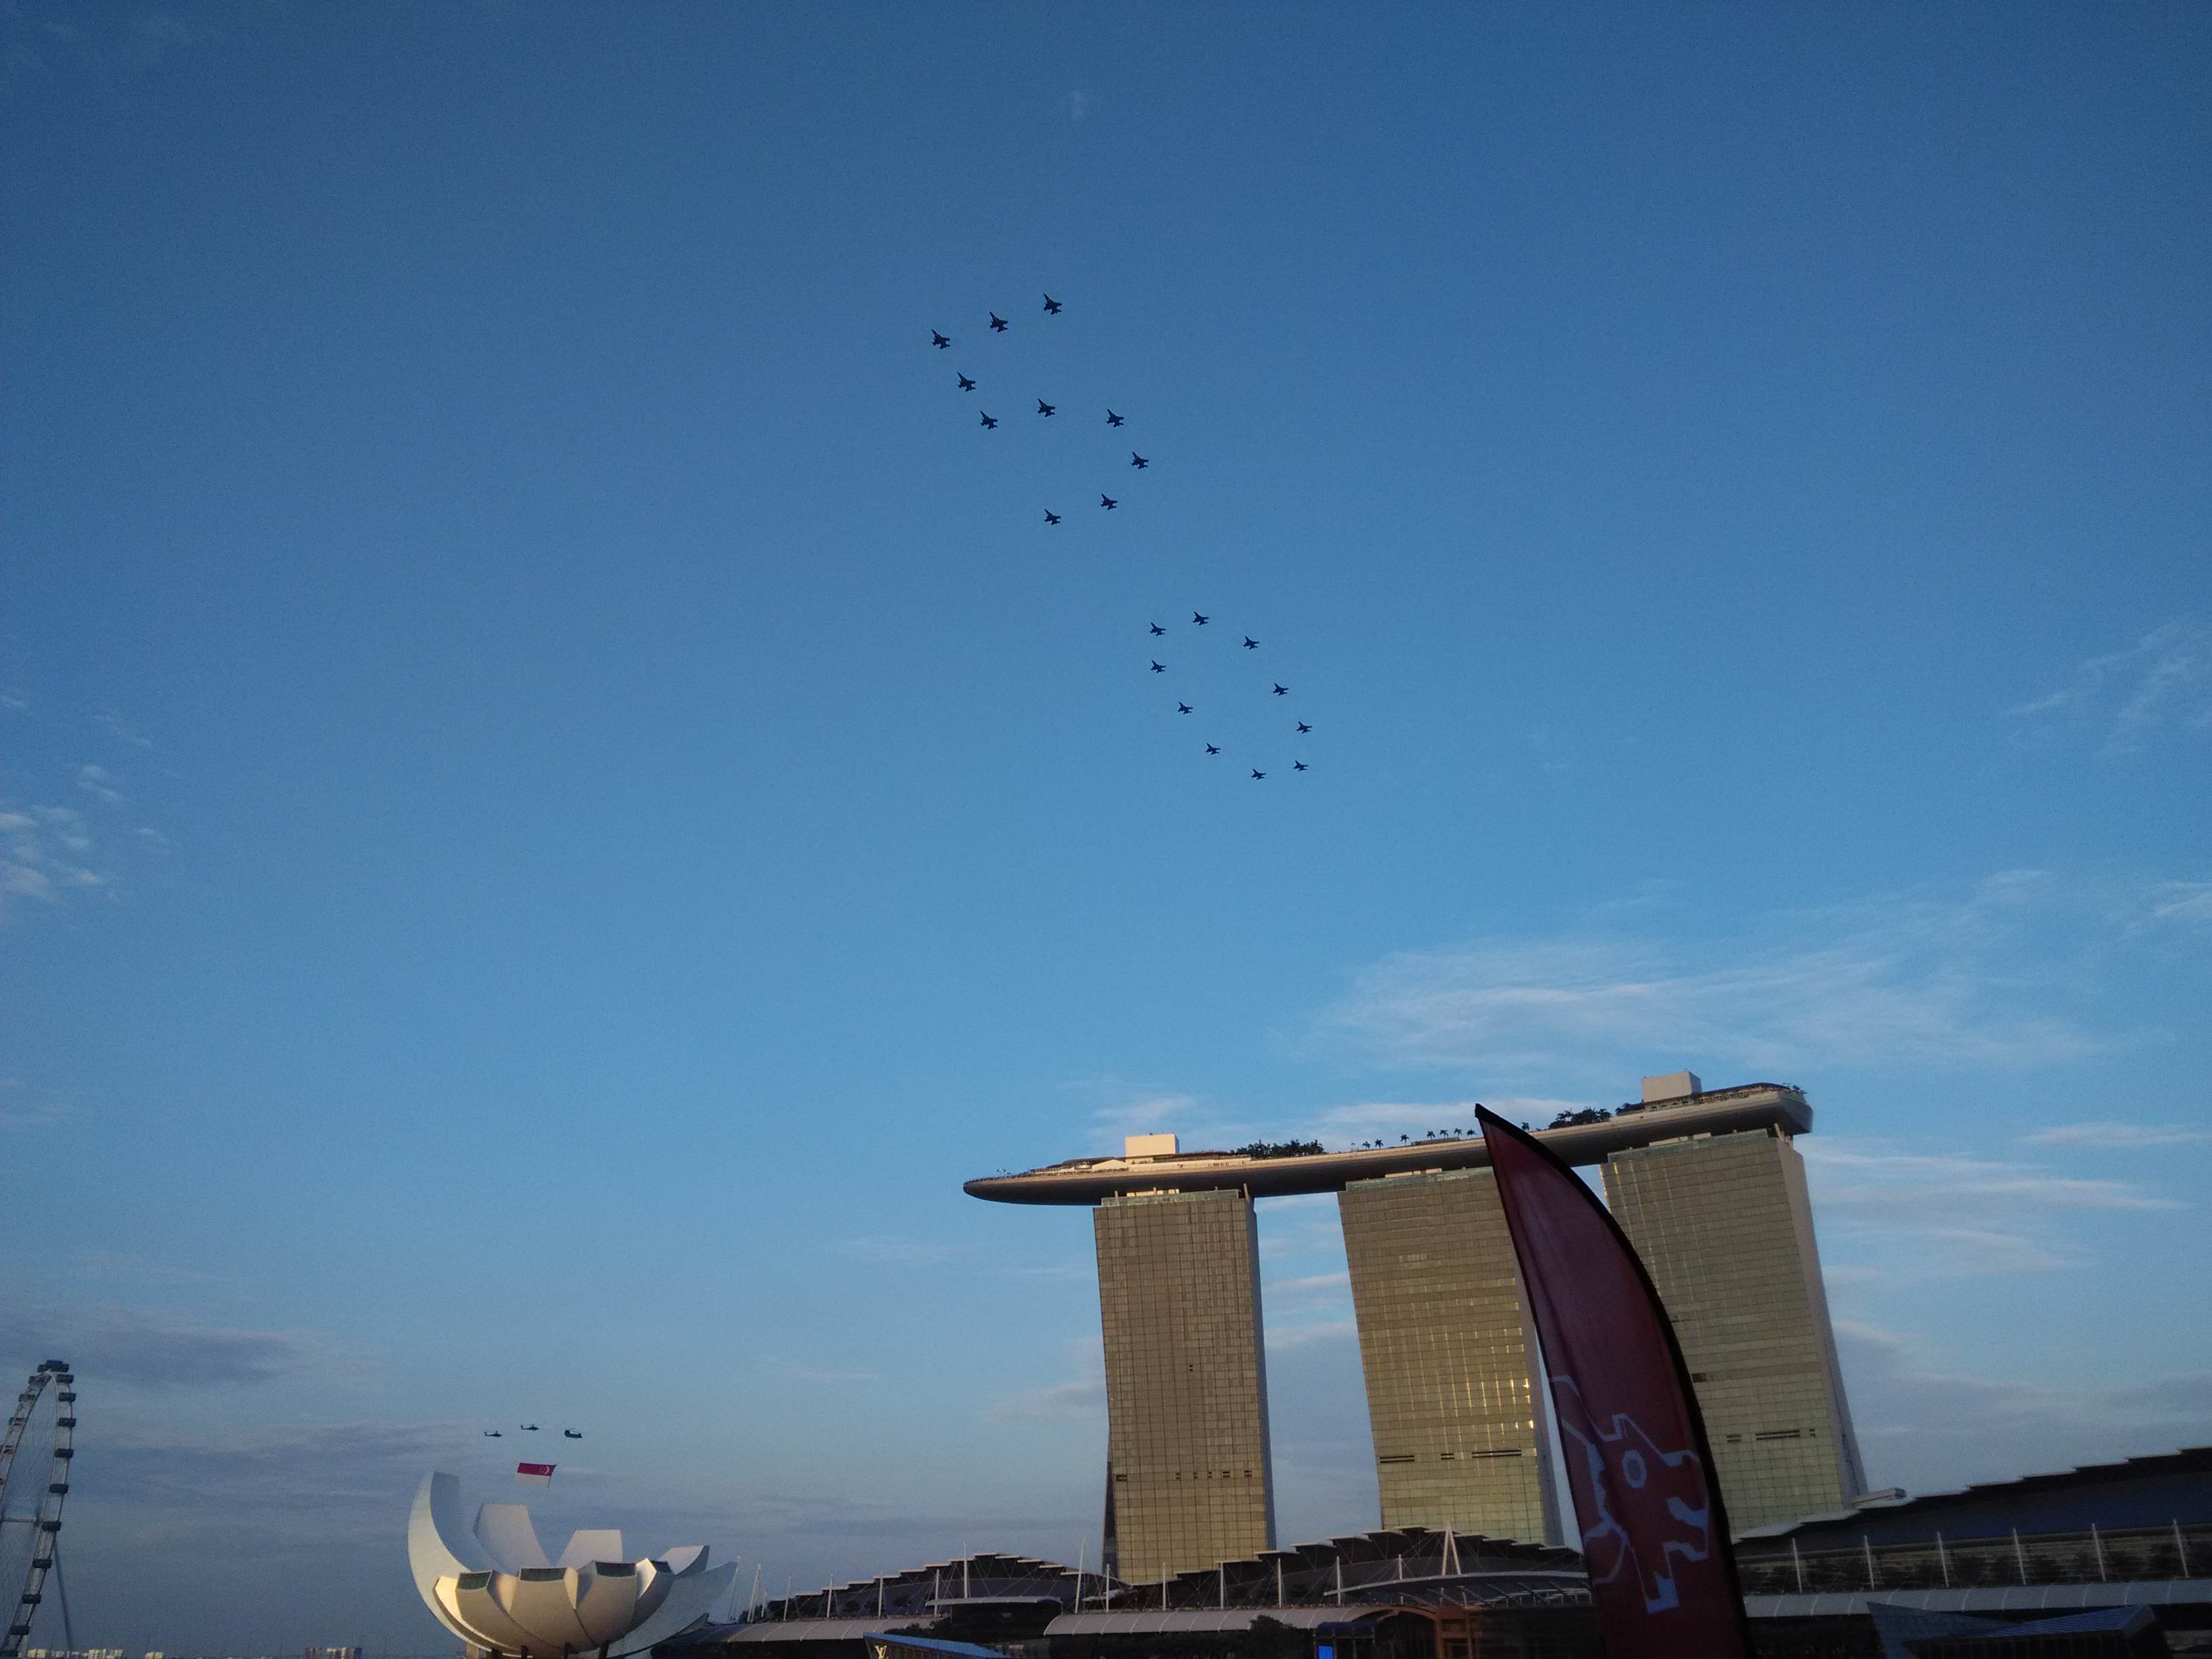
x,y
1051,305
1200,621
570,1434
1211,750
1043,408
1108,503
1298,766
1138,461
1182,708
1159,668
1257,773
1251,644
1303,727
1112,419
940,341
966,385
1282,690
1157,629
998,324
990,425
1051,517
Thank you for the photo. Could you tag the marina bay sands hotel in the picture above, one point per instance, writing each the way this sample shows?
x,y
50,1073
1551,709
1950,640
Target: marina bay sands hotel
x,y
1705,1183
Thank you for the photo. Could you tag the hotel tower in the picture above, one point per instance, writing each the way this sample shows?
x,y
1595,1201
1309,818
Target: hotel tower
x,y
1708,1186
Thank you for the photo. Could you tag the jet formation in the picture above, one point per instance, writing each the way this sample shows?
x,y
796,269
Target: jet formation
x,y
1047,408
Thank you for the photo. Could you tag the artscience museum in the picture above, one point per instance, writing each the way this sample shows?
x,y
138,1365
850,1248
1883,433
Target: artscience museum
x,y
493,1585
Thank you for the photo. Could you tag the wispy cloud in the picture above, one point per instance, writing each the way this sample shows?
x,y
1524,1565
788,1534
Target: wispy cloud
x,y
1078,1401
1940,981
99,783
49,853
893,1251
1120,1108
777,1365
156,1349
2184,901
2164,680
1891,1219
1310,1284
128,1264
2119,1137
45,855
1306,1336
340,1477
1927,1427
1859,1174
23,1107
111,721
1062,1270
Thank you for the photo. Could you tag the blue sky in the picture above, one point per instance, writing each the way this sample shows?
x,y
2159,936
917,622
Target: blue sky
x,y
558,795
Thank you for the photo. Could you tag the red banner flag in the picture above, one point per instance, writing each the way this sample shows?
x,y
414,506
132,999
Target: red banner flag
x,y
533,1475
1654,1534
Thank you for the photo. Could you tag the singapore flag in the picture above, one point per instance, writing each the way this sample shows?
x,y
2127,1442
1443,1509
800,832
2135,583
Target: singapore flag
x,y
533,1475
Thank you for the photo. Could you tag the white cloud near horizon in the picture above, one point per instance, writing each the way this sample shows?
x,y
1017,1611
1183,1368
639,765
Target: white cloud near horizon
x,y
777,1365
1894,1221
2119,1137
1304,1336
1054,1402
1310,1285
1991,978
1850,1172
157,1349
894,1250
1928,1428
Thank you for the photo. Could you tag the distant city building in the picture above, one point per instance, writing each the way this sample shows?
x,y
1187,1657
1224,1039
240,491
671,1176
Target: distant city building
x,y
1461,1435
1705,1183
1189,1480
312,1653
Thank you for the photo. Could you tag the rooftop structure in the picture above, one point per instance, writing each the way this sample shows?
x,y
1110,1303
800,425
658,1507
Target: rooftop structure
x,y
1404,1565
1266,1175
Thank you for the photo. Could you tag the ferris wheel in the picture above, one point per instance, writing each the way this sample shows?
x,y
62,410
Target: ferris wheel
x,y
40,1430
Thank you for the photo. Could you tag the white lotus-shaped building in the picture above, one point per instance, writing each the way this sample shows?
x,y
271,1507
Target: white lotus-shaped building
x,y
492,1586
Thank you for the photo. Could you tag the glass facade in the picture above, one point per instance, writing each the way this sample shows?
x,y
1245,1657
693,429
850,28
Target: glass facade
x,y
1186,1382
1448,1355
1725,1229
